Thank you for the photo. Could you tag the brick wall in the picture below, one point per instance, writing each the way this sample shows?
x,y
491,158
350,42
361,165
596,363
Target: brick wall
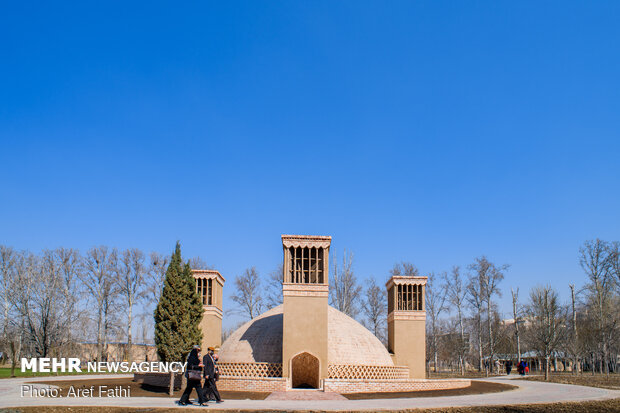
x,y
261,384
401,385
158,379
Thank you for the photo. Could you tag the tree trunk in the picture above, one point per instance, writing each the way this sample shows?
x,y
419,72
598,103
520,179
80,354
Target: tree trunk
x,y
461,350
479,347
171,385
99,337
546,368
129,352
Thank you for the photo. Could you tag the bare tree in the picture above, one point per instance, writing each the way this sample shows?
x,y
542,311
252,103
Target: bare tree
x,y
435,300
405,268
374,307
516,315
489,276
595,261
248,293
456,296
49,310
8,258
574,337
476,301
129,281
273,291
11,271
546,332
155,276
98,278
614,262
345,292
197,263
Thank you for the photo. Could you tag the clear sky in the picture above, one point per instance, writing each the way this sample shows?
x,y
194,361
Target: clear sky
x,y
431,131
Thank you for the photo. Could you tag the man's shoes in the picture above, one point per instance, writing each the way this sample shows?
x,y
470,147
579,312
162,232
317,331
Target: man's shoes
x,y
204,404
220,401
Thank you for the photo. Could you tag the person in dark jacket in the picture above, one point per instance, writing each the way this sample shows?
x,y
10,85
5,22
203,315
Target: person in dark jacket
x,y
193,364
210,388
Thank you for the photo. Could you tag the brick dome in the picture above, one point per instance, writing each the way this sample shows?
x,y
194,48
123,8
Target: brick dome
x,y
260,340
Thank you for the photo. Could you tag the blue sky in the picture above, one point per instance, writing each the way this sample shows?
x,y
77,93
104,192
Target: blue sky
x,y
432,132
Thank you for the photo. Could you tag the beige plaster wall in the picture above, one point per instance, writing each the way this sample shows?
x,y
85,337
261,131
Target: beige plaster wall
x,y
304,330
211,326
408,342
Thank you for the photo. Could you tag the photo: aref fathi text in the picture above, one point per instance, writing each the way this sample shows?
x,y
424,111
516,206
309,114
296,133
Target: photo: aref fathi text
x,y
31,390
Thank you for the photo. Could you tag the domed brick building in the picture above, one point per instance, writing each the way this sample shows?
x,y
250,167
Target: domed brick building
x,y
305,343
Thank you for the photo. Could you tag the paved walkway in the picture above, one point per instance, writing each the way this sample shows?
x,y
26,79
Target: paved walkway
x,y
528,392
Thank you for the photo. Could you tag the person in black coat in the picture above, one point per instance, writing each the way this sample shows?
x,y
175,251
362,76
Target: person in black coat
x,y
193,363
210,387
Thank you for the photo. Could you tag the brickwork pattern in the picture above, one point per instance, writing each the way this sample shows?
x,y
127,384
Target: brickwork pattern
x,y
372,386
250,369
259,384
341,371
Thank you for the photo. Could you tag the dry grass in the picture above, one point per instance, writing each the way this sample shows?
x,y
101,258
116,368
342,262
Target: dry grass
x,y
456,375
599,380
477,387
605,406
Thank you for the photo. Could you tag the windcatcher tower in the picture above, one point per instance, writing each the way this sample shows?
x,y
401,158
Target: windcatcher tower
x,y
305,292
407,323
209,285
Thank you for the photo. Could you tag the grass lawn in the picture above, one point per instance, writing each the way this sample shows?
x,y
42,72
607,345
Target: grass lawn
x,y
584,379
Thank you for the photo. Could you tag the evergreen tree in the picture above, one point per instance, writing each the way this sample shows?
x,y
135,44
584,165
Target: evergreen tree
x,y
178,313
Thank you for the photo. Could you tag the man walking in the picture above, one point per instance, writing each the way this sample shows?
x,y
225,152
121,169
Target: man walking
x,y
210,388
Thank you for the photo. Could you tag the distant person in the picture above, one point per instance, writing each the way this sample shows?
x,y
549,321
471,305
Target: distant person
x,y
193,373
526,368
210,387
508,367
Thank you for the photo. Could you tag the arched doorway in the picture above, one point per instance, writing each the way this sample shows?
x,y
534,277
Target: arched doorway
x,y
305,371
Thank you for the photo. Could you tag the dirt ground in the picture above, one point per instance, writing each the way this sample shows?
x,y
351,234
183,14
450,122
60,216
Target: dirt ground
x,y
476,387
144,390
606,406
584,379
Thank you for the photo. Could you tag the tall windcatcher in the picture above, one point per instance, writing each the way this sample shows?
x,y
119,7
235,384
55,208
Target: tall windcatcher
x,y
209,286
407,323
305,292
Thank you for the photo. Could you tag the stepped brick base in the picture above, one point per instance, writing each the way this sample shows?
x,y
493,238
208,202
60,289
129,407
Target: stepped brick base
x,y
260,384
399,385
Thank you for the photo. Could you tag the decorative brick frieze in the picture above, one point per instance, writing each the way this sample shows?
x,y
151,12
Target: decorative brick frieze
x,y
306,241
407,315
236,370
212,310
305,290
340,371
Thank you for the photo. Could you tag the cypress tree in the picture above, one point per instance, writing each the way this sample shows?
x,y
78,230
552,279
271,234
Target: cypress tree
x,y
178,313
